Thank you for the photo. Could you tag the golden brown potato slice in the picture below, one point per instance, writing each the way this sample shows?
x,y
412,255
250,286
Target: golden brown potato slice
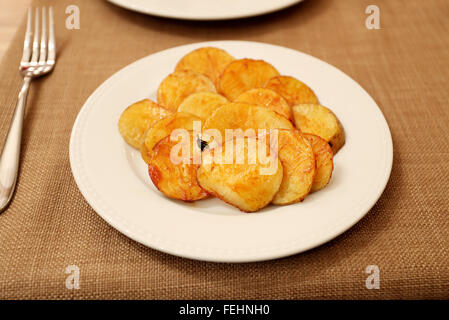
x,y
175,174
293,90
324,161
163,128
298,160
319,120
266,98
202,104
137,118
241,183
244,116
242,75
179,85
209,61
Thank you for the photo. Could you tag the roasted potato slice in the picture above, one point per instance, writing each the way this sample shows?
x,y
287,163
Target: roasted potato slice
x,y
209,61
323,159
163,128
179,85
202,104
319,120
298,161
244,116
241,183
266,98
176,179
137,118
241,75
293,90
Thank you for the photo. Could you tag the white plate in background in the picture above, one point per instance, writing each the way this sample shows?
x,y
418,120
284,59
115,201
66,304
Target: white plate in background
x,y
114,180
205,9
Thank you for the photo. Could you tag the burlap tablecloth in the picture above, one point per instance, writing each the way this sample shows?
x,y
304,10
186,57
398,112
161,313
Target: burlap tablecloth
x,y
404,66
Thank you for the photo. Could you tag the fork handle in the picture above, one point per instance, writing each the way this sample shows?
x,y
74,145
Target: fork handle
x,y
9,159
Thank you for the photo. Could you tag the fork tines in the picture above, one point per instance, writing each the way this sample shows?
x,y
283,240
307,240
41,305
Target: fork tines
x,y
41,52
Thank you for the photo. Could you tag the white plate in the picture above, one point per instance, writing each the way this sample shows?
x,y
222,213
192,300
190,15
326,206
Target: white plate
x,y
204,9
114,180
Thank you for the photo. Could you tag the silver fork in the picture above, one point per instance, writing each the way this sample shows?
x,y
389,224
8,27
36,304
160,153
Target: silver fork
x,y
38,59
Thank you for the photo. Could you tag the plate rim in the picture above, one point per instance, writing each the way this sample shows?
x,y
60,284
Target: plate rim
x,y
135,8
87,194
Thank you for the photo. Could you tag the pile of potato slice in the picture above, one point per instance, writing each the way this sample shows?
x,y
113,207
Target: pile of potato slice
x,y
212,87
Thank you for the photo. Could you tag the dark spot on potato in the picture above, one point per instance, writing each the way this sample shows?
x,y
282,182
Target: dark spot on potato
x,y
201,144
